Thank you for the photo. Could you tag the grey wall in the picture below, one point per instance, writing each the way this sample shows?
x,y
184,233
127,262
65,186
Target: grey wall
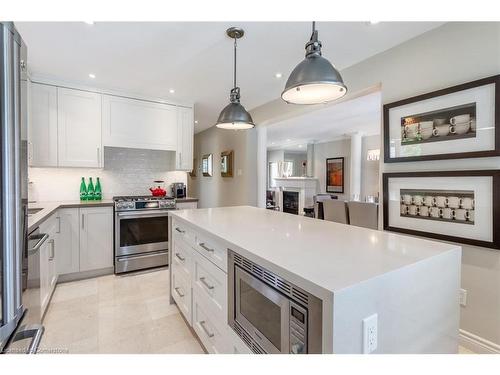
x,y
217,191
427,63
323,151
370,170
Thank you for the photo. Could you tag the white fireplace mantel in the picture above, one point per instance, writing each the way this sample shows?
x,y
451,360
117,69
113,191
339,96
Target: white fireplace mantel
x,y
306,186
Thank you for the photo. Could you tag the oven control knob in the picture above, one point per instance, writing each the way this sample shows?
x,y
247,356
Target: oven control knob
x,y
130,205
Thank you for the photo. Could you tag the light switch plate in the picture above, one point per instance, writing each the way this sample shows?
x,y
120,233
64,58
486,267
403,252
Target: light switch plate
x,y
370,333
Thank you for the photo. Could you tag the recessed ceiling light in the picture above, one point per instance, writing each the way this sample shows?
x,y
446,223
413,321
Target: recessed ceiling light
x,y
89,22
272,143
278,75
374,22
195,121
92,75
171,91
301,146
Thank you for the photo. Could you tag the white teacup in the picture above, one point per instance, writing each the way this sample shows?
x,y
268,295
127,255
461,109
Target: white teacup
x,y
429,200
407,199
435,212
441,130
460,214
426,133
403,209
453,202
440,201
426,125
439,121
418,200
412,128
467,203
413,210
470,215
447,213
459,119
423,211
460,128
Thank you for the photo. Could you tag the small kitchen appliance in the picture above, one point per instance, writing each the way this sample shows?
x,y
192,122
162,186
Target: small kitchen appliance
x,y
179,190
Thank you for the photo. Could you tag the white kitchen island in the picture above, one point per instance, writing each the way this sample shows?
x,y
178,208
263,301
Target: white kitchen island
x,y
407,287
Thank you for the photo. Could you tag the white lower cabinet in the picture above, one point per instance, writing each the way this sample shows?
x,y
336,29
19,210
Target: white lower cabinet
x,y
68,254
199,288
96,238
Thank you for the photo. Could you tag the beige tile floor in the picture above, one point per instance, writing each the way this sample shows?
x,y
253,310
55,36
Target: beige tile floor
x,y
116,314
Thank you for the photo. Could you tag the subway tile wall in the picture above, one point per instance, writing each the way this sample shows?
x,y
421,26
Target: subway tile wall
x,y
126,172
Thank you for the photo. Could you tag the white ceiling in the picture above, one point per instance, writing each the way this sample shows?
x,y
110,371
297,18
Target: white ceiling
x,y
195,58
362,114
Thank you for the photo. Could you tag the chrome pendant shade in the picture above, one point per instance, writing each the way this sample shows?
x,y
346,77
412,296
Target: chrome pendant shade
x,y
315,80
234,115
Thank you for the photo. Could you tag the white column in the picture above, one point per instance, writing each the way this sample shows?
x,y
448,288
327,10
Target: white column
x,y
261,165
310,160
355,175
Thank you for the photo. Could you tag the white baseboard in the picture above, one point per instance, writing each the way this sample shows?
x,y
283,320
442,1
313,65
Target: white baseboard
x,y
478,344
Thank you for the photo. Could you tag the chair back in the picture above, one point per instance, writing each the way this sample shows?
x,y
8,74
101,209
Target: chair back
x,y
335,210
363,214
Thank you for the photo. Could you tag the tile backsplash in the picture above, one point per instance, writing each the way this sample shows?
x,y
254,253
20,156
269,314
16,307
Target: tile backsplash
x,y
126,172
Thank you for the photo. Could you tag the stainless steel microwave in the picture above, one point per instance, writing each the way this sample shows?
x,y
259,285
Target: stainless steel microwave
x,y
270,314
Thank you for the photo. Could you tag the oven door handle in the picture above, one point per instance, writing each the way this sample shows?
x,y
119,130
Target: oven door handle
x,y
136,214
149,255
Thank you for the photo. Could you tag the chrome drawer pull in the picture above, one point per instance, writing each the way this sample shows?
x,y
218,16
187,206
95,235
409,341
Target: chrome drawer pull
x,y
203,281
202,244
180,230
178,290
178,256
209,334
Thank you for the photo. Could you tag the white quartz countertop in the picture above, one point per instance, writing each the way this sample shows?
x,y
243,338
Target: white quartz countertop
x,y
332,256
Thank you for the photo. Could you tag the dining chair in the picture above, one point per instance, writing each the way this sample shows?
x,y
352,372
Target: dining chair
x,y
363,214
335,210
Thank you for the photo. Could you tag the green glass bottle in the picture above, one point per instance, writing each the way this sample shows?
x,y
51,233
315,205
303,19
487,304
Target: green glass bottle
x,y
83,190
98,190
90,190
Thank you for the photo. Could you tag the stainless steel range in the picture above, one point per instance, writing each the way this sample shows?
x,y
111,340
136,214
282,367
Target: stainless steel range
x,y
141,232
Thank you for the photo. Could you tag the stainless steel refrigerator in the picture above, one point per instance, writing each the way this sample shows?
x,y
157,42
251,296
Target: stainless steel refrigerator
x,y
18,328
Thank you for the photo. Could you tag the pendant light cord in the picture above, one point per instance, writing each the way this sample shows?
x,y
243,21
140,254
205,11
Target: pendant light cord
x,y
234,77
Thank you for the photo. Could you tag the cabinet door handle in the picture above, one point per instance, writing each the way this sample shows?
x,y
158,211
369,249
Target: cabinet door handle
x,y
202,245
83,222
204,282
52,249
180,159
178,256
209,334
58,224
180,230
179,292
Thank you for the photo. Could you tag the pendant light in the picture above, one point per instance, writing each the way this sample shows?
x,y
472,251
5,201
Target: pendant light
x,y
315,80
234,115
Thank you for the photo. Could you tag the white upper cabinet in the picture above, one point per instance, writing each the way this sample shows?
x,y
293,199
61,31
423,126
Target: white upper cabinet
x,y
42,129
185,134
79,128
138,124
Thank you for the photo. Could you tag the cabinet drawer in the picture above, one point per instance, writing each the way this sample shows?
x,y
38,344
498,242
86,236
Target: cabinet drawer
x,y
214,339
181,293
212,250
183,232
182,258
211,285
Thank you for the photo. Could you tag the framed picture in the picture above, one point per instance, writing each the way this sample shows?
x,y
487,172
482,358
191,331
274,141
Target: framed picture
x,y
458,206
195,167
335,175
226,163
206,165
457,122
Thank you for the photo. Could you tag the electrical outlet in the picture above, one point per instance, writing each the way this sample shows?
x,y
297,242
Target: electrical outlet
x,y
370,334
463,297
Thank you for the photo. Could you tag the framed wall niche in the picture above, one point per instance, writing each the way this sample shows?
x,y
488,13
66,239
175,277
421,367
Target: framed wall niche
x,y
226,163
433,126
207,165
457,206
